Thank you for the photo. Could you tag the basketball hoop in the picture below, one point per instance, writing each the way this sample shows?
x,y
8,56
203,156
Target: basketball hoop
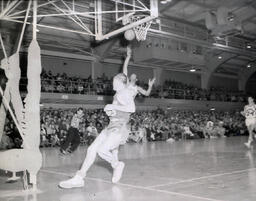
x,y
142,29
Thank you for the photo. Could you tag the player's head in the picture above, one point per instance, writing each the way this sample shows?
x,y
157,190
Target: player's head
x,y
209,124
133,78
80,111
119,82
250,100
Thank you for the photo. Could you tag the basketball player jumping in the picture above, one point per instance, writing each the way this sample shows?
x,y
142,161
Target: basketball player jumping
x,y
113,135
250,114
131,84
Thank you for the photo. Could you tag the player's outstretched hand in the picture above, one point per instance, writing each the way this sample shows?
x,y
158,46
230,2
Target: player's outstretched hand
x,y
151,82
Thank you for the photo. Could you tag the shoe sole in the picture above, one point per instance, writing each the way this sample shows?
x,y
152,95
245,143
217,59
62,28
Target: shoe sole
x,y
78,186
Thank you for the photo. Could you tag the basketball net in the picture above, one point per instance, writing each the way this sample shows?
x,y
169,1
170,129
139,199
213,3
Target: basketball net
x,y
142,29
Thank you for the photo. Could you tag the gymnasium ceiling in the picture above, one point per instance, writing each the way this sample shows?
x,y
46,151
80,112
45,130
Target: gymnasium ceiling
x,y
189,14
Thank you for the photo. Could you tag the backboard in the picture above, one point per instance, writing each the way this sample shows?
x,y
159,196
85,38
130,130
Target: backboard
x,y
121,13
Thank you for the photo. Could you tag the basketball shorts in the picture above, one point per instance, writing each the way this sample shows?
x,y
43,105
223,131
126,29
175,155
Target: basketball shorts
x,y
250,122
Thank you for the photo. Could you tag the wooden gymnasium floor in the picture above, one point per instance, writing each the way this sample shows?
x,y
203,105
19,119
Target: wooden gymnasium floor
x,y
216,169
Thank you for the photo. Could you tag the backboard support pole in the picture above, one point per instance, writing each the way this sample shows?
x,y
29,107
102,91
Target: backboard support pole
x,y
98,20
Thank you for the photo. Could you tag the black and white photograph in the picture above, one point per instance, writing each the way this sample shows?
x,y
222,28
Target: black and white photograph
x,y
127,100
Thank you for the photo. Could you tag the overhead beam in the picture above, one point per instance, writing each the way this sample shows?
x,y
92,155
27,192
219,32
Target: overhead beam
x,y
234,66
238,51
67,55
103,49
242,59
183,21
198,17
202,5
237,65
50,27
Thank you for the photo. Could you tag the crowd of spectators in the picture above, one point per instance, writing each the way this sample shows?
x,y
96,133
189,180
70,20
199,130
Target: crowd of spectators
x,y
175,125
61,83
157,125
11,137
55,125
177,90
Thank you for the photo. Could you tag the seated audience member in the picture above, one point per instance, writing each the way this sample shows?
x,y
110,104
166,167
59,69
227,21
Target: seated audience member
x,y
220,130
208,130
92,133
187,132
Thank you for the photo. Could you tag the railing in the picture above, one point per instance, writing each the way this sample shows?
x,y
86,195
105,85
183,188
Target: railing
x,y
191,32
105,88
71,87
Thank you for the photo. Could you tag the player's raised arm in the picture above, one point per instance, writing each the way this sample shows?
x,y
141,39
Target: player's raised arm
x,y
150,85
127,59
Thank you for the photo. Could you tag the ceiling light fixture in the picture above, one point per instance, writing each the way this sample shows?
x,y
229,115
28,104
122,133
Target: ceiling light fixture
x,y
165,1
248,65
192,69
219,57
231,17
248,46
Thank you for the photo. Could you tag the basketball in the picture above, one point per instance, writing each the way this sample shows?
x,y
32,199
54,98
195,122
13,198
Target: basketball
x,y
129,34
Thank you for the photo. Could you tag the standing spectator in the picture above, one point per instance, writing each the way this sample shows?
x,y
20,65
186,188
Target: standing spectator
x,y
73,136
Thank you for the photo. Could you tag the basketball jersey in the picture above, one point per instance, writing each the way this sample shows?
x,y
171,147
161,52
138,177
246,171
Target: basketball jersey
x,y
134,90
250,111
120,117
75,121
125,97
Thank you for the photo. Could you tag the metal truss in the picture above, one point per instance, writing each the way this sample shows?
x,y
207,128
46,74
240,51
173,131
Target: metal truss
x,y
95,18
83,17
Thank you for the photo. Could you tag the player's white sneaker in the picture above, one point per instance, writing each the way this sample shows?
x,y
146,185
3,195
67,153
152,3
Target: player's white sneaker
x,y
118,171
248,145
75,182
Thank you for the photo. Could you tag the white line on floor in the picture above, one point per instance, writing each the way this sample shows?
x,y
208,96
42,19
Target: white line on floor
x,y
168,192
133,186
204,177
17,192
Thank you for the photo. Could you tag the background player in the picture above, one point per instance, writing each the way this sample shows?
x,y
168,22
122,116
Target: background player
x,y
250,114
